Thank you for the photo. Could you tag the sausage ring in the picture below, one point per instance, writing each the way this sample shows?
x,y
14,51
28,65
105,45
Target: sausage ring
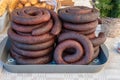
x,y
78,18
81,32
30,15
25,28
72,51
57,27
44,29
35,29
96,48
32,54
81,27
99,40
26,61
66,45
79,10
23,34
29,39
34,47
85,42
91,36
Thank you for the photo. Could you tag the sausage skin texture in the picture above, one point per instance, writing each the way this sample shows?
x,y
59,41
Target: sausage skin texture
x,y
72,51
25,28
78,18
57,27
29,39
68,44
91,36
86,32
32,54
35,47
23,34
28,61
44,29
99,40
79,10
30,15
81,27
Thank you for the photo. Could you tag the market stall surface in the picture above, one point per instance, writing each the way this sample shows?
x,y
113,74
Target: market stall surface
x,y
110,72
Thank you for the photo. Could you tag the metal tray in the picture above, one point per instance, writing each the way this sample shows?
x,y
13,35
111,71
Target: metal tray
x,y
10,65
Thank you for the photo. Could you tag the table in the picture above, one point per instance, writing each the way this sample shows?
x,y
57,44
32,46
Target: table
x,y
110,72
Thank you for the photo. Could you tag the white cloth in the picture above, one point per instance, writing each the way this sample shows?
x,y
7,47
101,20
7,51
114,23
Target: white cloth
x,y
110,72
52,2
82,3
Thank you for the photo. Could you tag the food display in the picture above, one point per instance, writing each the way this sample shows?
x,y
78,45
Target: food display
x,y
4,17
79,25
18,4
66,2
41,36
3,7
12,5
33,32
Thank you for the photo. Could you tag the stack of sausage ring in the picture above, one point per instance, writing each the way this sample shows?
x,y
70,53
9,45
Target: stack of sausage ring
x,y
78,36
80,19
33,31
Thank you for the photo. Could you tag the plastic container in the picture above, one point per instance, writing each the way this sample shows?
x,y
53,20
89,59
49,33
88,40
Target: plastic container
x,y
4,21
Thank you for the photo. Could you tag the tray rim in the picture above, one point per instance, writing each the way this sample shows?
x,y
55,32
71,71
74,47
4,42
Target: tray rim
x,y
6,38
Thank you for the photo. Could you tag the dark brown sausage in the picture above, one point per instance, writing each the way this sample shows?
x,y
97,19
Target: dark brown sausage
x,y
28,61
25,28
29,39
99,40
79,10
78,18
81,27
99,21
30,15
34,47
91,36
57,27
44,29
71,58
32,54
85,42
23,34
81,32
71,51
96,48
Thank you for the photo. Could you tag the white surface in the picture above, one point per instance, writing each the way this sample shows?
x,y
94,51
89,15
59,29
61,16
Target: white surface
x,y
3,21
110,72
82,3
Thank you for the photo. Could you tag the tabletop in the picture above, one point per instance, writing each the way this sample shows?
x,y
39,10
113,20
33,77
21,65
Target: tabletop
x,y
110,72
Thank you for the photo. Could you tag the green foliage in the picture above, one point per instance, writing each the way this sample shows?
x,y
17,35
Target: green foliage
x,y
115,12
108,8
